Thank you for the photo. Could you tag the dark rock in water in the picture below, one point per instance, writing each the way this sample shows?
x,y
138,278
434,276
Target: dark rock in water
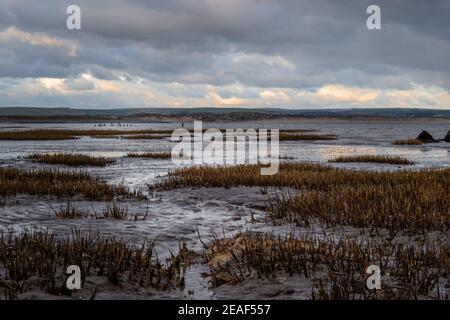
x,y
447,137
425,137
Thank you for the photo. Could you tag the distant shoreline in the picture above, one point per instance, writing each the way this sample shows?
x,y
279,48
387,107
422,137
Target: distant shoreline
x,y
216,118
214,114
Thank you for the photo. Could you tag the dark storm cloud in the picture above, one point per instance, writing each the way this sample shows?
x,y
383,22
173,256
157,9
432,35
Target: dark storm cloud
x,y
257,43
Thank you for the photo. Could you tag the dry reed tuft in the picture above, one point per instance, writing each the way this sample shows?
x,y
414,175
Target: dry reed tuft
x,y
66,134
337,267
114,211
69,211
298,175
58,134
408,206
60,184
373,158
42,255
151,154
36,135
414,200
413,142
289,175
70,159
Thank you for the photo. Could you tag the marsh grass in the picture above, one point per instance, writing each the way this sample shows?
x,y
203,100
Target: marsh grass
x,y
42,255
36,135
374,159
413,142
297,175
410,206
67,134
69,211
410,200
151,154
61,184
112,210
58,134
289,175
337,267
70,159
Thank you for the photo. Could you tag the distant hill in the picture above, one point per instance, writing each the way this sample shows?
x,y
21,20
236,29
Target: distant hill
x,y
8,113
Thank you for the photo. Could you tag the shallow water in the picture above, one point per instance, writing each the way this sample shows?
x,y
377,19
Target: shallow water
x,y
355,137
178,215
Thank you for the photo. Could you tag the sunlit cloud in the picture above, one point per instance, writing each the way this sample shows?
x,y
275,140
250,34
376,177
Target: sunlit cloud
x,y
12,34
340,93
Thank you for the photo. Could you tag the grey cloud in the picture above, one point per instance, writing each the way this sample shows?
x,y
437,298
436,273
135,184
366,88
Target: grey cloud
x,y
195,42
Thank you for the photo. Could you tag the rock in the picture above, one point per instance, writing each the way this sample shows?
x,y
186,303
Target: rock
x,y
425,137
447,137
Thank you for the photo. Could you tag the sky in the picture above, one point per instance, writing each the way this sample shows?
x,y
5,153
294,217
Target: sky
x,y
302,54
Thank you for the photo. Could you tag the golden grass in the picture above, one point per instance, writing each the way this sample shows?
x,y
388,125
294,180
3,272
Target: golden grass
x,y
58,134
401,200
67,134
337,267
151,154
305,137
40,255
240,175
413,206
373,158
413,142
36,135
297,175
70,159
60,184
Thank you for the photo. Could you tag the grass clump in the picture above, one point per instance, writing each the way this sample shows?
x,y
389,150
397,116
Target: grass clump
x,y
151,155
60,184
67,134
41,255
414,200
36,135
240,175
373,158
69,211
412,142
70,159
337,267
63,134
413,206
115,211
298,175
